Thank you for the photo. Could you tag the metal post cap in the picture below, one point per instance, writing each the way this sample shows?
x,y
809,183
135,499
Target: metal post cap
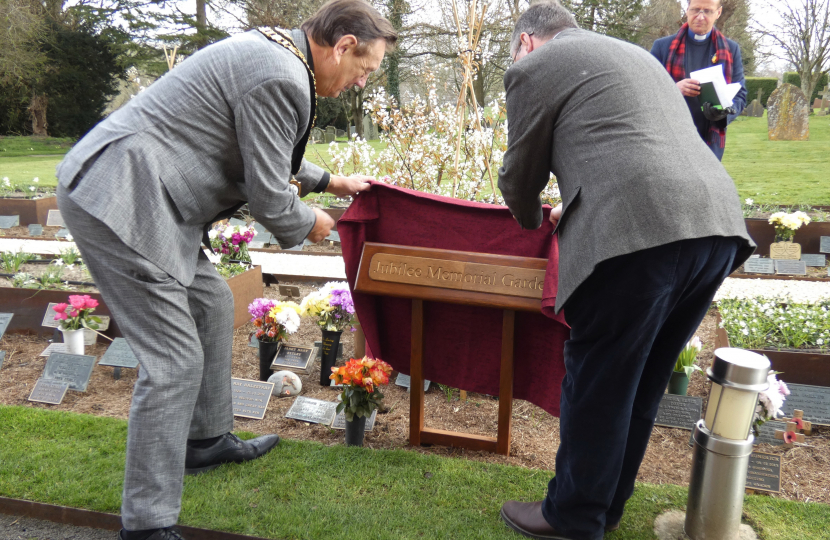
x,y
719,445
740,369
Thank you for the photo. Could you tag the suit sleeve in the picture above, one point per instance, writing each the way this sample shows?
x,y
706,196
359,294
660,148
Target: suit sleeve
x,y
739,101
526,168
268,119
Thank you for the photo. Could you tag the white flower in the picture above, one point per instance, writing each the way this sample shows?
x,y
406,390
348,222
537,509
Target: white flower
x,y
748,202
31,188
35,179
212,234
695,343
69,238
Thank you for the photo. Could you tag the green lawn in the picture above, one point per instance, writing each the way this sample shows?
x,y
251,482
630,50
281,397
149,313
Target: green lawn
x,y
310,491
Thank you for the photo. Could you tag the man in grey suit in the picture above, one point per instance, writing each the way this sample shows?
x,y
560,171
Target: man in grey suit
x,y
227,126
649,227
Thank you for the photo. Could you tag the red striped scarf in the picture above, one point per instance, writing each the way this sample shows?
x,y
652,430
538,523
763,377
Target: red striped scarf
x,y
677,69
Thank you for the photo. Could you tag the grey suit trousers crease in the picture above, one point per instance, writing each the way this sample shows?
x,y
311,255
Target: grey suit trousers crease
x,y
182,337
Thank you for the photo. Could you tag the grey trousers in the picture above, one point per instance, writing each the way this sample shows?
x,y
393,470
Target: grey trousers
x,y
182,337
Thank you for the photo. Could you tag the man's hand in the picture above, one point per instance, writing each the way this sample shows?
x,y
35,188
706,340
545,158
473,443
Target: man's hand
x,y
689,87
322,227
343,186
556,214
716,115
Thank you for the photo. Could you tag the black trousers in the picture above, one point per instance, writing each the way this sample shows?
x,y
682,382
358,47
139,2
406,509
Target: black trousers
x,y
629,321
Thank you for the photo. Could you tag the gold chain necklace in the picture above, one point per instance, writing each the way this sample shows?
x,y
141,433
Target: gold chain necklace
x,y
284,38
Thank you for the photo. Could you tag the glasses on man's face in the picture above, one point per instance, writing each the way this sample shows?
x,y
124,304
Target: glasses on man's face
x,y
520,48
694,12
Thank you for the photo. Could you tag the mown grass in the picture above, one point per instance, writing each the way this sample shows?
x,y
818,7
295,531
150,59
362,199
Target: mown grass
x,y
304,490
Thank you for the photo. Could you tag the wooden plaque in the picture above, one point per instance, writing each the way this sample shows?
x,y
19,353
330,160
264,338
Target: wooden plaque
x,y
785,251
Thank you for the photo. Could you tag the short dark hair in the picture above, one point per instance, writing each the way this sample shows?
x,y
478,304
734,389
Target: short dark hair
x,y
542,20
338,18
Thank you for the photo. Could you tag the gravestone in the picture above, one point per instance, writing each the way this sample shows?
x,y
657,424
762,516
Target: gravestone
x,y
331,133
54,219
764,472
35,229
823,104
74,369
7,222
340,133
63,233
53,348
312,410
352,132
5,320
814,260
759,266
46,391
3,358
293,358
755,109
679,411
788,114
791,268
367,128
253,342
339,421
824,246
766,433
317,135
250,398
119,354
49,317
813,400
405,381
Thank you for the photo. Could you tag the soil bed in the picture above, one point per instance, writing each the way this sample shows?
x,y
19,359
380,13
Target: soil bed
x,y
535,432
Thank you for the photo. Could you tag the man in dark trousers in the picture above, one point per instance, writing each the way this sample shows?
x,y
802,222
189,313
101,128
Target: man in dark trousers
x,y
649,227
698,45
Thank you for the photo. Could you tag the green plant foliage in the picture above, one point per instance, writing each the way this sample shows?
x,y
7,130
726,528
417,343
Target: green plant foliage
x,y
229,270
13,261
794,78
766,84
70,256
759,323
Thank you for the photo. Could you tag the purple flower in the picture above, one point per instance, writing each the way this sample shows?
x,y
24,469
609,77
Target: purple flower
x,y
260,307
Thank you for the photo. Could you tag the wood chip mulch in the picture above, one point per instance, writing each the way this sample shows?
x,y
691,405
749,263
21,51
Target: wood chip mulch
x,y
535,434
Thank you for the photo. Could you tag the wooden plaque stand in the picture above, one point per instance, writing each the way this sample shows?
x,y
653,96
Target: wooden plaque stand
x,y
499,281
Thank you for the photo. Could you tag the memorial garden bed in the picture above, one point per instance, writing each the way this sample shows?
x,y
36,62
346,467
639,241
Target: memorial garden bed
x,y
30,210
809,236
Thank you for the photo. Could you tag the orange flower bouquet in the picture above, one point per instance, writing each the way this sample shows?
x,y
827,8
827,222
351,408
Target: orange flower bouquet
x,y
361,380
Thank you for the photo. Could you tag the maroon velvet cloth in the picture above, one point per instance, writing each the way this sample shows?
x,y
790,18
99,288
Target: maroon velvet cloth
x,y
462,343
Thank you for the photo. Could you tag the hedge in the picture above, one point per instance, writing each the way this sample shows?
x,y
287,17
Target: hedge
x,y
794,78
766,84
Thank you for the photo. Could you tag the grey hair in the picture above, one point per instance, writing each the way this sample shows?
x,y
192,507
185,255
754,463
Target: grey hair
x,y
542,20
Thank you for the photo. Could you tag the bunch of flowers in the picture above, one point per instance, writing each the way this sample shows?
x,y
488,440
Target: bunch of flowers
x,y
274,320
231,241
686,359
770,402
756,323
786,224
78,313
332,306
361,380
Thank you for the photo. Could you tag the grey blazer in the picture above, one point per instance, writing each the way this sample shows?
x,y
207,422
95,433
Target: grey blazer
x,y
606,118
216,131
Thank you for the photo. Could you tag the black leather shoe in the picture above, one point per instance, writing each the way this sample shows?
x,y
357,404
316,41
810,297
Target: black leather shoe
x,y
527,520
170,533
611,527
228,449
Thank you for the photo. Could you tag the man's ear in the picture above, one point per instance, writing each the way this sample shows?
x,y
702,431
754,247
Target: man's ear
x,y
527,42
343,45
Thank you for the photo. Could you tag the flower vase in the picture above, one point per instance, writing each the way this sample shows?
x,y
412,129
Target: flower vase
x,y
267,352
328,354
355,430
679,383
74,341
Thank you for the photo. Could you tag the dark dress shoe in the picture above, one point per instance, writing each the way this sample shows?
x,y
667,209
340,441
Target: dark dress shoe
x,y
228,449
610,527
527,520
170,533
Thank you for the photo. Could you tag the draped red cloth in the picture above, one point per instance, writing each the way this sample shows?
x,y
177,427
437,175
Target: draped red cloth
x,y
462,343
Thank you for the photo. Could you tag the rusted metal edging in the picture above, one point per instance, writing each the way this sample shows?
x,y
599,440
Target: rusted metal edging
x,y
99,520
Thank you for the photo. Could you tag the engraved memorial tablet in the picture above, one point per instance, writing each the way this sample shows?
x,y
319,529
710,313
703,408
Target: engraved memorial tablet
x,y
824,245
49,317
785,251
766,433
312,410
35,229
406,381
46,391
293,358
119,354
5,320
54,219
764,472
340,421
7,222
679,411
816,260
291,291
63,233
74,369
813,400
53,348
791,268
759,266
3,358
250,398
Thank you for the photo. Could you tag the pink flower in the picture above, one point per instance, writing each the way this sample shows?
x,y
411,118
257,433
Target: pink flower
x,y
77,301
60,308
789,437
235,238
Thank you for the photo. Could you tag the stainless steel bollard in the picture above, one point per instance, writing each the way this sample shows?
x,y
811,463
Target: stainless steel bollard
x,y
716,489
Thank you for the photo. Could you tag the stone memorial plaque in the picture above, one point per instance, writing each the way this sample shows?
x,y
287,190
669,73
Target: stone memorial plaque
x,y
46,391
35,229
339,421
3,358
256,245
787,251
813,400
49,317
119,354
5,320
74,369
814,259
293,358
7,222
679,411
759,266
54,219
791,268
236,222
334,385
53,348
290,291
333,236
250,398
63,233
824,246
764,472
404,380
766,433
253,342
312,410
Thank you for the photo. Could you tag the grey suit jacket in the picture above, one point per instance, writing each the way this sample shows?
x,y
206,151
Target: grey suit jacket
x,y
605,117
216,131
